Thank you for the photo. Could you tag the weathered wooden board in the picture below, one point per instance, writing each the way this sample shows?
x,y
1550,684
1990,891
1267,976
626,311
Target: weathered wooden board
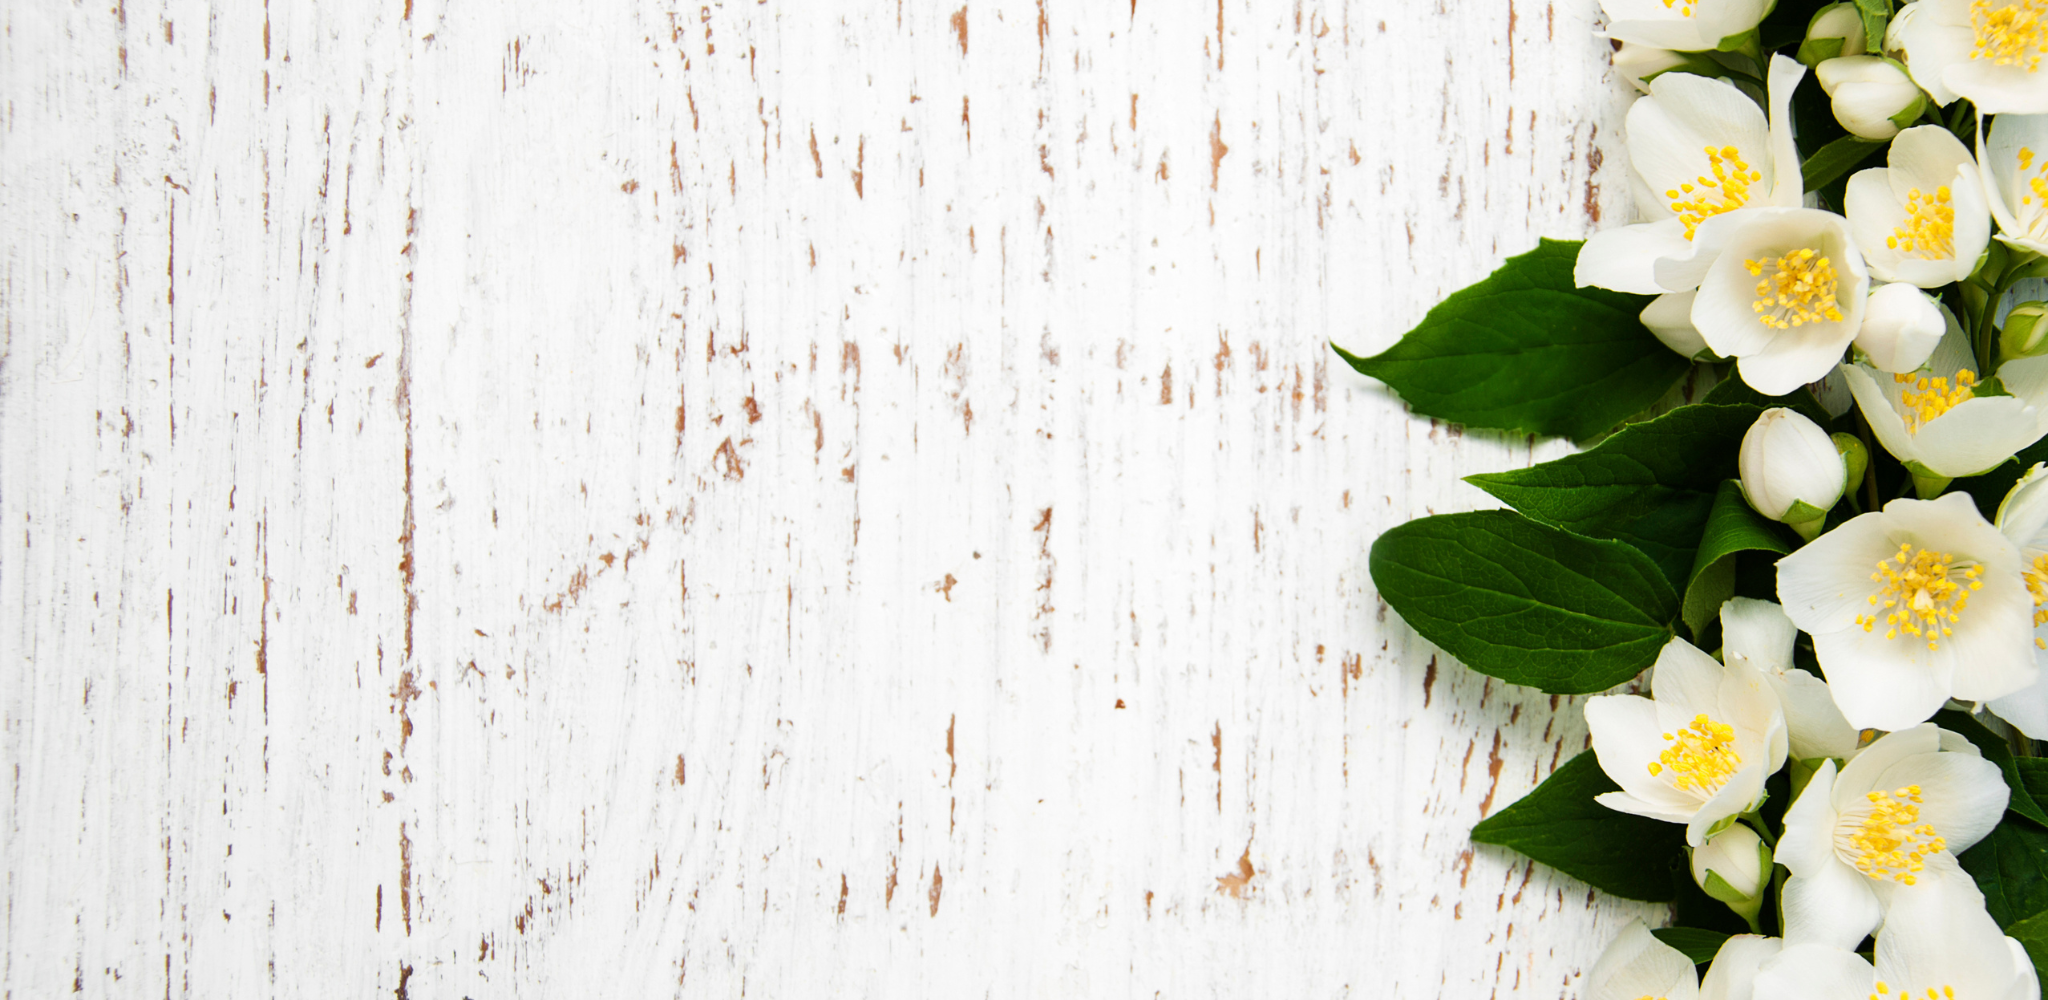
x,y
767,498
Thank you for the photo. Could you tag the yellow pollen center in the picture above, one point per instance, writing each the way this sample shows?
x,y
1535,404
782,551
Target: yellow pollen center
x,y
1892,842
1683,7
1725,191
1796,289
1931,397
1930,227
2037,185
1701,757
2010,34
1922,594
1933,993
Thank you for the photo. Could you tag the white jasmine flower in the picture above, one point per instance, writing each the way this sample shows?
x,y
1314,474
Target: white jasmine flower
x,y
1986,50
1912,606
1898,813
1901,327
1922,218
1784,297
1700,153
1699,752
2016,178
1936,421
1870,94
2023,517
1685,25
1937,942
1759,634
1790,469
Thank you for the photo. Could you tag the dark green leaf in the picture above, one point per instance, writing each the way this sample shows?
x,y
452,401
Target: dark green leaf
x,y
1651,485
1560,825
2011,868
1836,159
1996,751
2033,772
1526,602
1526,350
1698,944
1733,526
2032,933
1733,391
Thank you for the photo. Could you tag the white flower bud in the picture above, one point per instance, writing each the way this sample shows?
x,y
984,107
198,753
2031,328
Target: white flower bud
x,y
2023,516
1739,857
1638,61
1791,471
1837,30
1901,326
1870,94
1669,316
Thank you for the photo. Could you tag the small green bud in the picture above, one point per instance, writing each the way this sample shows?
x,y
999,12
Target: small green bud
x,y
1835,30
1855,459
2026,331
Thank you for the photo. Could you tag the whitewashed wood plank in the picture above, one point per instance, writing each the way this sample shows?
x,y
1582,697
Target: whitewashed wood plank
x,y
727,498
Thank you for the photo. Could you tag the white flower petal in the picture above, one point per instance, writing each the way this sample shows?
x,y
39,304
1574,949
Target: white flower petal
x,y
1883,683
1815,972
1826,583
1740,795
1963,797
1865,774
1938,934
1929,47
1637,965
1835,907
1624,258
1686,682
1976,435
1758,632
1884,418
1733,974
1669,317
1808,844
1812,719
1627,737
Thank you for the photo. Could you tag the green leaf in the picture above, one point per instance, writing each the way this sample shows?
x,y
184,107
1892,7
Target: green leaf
x,y
1526,602
1996,751
1875,14
1560,825
1835,159
1698,944
1651,485
1732,526
2010,866
1733,391
2032,933
1527,350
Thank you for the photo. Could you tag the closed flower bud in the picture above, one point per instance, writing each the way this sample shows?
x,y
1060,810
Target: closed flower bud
x,y
2026,331
1791,471
1837,30
1733,867
1873,97
1901,327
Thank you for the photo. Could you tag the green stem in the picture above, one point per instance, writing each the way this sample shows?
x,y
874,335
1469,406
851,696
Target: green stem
x,y
1763,830
1870,468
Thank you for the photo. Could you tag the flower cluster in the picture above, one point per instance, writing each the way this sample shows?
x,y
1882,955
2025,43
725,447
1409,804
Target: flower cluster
x,y
1813,504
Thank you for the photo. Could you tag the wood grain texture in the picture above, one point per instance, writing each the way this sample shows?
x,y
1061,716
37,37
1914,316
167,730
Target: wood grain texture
x,y
759,498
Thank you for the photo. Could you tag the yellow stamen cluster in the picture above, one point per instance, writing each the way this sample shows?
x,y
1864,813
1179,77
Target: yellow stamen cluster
x,y
1797,289
1892,842
1932,397
2010,34
1930,229
1683,7
2037,185
1729,185
2037,585
1702,756
1884,992
1923,594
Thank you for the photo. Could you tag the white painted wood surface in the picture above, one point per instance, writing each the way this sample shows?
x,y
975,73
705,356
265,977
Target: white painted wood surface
x,y
759,498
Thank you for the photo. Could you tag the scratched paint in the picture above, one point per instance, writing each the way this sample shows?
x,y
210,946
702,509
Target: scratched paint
x,y
710,499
